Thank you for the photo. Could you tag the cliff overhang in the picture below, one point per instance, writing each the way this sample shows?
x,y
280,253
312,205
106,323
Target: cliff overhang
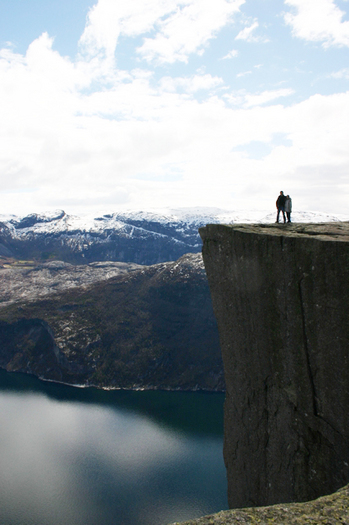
x,y
280,295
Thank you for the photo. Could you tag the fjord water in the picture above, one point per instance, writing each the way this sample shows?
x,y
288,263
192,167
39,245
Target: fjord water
x,y
90,457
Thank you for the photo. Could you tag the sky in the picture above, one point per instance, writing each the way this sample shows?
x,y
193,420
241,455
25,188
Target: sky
x,y
113,105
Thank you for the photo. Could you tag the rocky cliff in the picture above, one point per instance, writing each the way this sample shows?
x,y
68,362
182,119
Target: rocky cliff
x,y
281,298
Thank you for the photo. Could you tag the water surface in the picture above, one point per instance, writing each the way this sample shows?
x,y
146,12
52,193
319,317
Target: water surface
x,y
73,456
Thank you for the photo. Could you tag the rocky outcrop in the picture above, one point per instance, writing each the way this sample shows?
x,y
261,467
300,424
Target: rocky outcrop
x,y
144,327
328,510
281,298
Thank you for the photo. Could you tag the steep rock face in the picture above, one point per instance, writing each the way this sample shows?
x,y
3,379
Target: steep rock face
x,y
28,346
280,295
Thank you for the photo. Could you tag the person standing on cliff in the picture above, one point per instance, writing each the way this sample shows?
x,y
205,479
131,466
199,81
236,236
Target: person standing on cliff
x,y
288,208
280,205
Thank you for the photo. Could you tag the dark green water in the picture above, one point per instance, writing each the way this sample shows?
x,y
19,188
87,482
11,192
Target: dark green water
x,y
72,456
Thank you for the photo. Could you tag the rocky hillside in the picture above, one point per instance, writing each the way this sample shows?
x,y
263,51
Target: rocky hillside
x,y
147,327
27,281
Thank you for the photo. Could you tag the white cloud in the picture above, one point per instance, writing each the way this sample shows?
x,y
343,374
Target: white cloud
x,y
248,34
318,21
342,73
243,99
108,19
178,27
85,134
85,149
232,54
243,74
265,97
190,84
188,30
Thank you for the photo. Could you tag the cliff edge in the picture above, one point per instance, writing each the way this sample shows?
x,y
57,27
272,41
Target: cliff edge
x,y
280,295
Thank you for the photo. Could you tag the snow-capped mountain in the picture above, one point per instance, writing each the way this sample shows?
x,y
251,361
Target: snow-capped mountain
x,y
143,237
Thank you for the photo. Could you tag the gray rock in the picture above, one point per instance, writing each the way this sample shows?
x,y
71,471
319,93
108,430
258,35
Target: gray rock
x,y
328,510
280,295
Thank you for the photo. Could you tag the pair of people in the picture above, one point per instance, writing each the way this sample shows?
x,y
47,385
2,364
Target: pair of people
x,y
284,205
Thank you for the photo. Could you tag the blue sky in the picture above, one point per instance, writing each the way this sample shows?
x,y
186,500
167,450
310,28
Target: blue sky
x,y
110,105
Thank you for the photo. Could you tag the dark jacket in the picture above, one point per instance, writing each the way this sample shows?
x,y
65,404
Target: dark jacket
x,y
280,203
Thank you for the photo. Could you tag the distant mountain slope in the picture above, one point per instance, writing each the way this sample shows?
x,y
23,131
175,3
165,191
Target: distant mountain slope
x,y
145,328
139,237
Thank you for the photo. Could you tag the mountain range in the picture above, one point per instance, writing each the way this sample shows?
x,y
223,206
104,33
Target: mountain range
x,y
148,237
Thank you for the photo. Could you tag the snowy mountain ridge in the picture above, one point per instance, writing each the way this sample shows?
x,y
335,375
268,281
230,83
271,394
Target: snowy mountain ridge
x,y
142,237
59,221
